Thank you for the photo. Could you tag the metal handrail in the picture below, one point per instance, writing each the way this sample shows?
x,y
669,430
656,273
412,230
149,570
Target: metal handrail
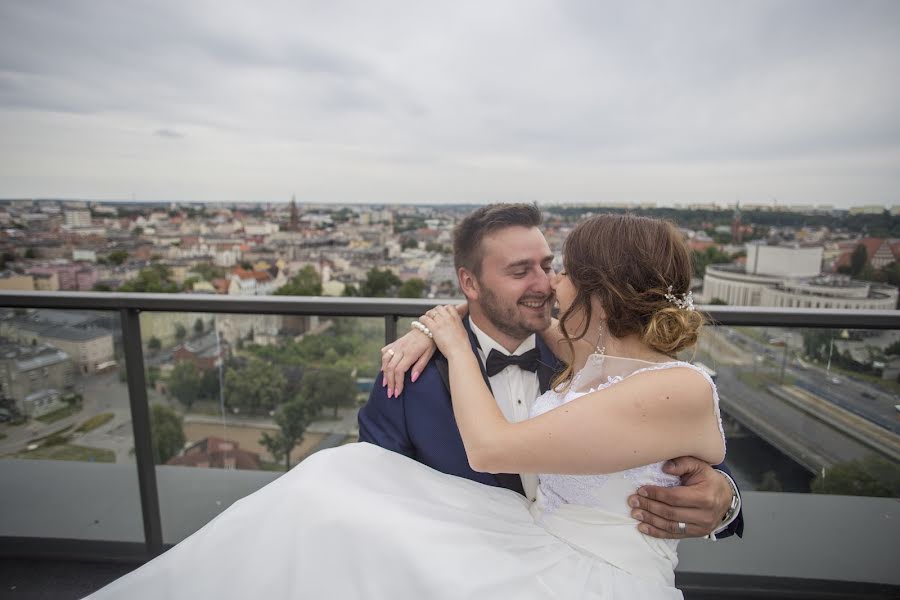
x,y
131,305
401,307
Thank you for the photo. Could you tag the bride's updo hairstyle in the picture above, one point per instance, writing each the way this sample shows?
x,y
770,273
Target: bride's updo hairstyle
x,y
628,262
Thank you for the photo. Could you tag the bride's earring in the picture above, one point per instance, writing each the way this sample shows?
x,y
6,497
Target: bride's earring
x,y
598,349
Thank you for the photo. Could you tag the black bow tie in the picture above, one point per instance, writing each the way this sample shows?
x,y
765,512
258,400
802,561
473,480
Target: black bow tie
x,y
497,361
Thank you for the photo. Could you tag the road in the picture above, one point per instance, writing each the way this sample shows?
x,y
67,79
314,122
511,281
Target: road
x,y
847,394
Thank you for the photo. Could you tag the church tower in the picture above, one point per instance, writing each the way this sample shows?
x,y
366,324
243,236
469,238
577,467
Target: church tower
x,y
295,216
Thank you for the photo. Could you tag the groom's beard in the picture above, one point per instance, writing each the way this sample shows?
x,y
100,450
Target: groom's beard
x,y
510,319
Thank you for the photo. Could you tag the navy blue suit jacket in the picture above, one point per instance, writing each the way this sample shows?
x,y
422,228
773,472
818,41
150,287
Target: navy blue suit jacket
x,y
420,422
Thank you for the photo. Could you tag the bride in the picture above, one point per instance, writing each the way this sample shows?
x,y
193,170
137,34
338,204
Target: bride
x,y
363,522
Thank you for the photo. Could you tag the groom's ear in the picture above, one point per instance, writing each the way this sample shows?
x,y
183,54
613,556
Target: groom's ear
x,y
468,283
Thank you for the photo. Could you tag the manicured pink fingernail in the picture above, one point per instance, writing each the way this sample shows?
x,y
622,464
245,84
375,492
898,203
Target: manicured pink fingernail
x,y
642,492
389,392
415,376
384,383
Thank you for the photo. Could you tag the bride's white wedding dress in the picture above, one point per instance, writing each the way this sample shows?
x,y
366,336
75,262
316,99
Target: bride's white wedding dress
x,y
363,522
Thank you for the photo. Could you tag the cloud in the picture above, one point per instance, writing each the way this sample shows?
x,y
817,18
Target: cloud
x,y
410,101
169,134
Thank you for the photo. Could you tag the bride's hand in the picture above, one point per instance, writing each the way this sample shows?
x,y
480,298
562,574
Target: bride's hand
x,y
414,350
447,328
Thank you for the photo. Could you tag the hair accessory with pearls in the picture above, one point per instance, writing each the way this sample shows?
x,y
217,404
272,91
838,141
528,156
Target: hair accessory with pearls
x,y
686,302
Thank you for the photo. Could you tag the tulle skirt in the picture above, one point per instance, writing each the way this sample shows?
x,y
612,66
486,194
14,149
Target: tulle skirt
x,y
362,522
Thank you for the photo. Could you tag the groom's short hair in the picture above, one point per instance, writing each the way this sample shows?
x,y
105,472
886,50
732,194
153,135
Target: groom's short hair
x,y
467,235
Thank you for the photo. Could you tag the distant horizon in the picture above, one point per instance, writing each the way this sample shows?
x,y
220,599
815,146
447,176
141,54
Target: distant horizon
x,y
611,204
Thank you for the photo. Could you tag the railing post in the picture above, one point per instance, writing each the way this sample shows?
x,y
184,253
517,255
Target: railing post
x,y
390,328
140,420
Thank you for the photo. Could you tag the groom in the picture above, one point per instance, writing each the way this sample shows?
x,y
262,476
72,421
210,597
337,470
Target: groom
x,y
503,263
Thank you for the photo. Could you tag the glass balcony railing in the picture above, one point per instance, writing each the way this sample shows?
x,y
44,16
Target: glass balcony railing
x,y
129,421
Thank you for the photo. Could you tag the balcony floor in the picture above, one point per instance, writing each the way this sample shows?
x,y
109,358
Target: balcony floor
x,y
22,579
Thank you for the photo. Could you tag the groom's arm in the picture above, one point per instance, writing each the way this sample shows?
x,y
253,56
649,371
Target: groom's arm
x,y
382,421
701,502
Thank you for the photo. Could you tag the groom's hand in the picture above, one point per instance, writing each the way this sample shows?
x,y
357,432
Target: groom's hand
x,y
700,502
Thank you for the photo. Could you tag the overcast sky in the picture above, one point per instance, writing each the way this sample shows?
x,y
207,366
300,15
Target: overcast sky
x,y
427,102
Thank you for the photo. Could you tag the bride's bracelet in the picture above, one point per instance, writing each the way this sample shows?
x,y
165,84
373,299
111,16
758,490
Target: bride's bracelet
x,y
421,327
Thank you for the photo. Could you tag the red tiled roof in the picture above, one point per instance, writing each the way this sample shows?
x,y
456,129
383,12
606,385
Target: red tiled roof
x,y
213,452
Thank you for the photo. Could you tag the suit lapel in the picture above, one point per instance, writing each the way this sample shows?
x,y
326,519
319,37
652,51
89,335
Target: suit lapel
x,y
548,366
444,368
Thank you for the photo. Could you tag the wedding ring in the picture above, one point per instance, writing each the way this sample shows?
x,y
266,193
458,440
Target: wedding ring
x,y
682,528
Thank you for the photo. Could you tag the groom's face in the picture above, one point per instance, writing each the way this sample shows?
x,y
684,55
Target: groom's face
x,y
514,290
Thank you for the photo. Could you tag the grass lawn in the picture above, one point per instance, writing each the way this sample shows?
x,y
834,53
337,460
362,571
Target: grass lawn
x,y
71,452
95,422
56,415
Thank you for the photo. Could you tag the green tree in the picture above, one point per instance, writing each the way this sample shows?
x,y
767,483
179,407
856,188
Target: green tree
x,y
816,342
153,279
258,386
151,376
153,344
873,475
198,326
328,386
167,433
893,349
6,257
180,331
292,419
407,243
379,284
305,283
101,287
412,288
858,260
710,256
718,302
117,257
350,290
31,253
208,271
185,383
188,285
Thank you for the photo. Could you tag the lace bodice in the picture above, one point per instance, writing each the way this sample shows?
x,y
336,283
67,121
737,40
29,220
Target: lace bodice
x,y
604,491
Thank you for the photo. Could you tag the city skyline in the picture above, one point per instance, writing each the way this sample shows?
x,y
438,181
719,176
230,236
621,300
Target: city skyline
x,y
403,103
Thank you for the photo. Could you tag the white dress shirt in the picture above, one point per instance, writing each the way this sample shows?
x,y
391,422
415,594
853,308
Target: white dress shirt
x,y
515,390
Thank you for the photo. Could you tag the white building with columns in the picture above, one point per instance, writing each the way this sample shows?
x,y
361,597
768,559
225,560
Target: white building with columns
x,y
791,277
